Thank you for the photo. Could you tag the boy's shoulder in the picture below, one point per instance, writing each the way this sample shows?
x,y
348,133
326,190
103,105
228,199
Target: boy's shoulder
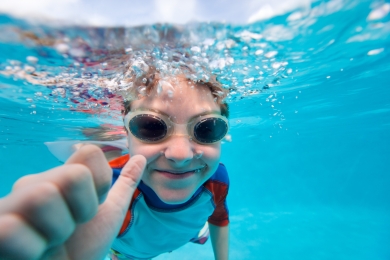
x,y
220,175
119,163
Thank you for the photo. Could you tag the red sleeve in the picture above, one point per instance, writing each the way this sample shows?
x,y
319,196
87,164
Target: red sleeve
x,y
129,215
220,216
119,162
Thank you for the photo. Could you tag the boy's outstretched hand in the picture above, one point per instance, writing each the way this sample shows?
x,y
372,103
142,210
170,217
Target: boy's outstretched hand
x,y
56,214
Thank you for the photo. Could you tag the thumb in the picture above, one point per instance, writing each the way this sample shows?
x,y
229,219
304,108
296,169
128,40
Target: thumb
x,y
110,216
122,191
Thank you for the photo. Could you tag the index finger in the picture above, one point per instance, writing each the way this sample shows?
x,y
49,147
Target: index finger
x,y
124,187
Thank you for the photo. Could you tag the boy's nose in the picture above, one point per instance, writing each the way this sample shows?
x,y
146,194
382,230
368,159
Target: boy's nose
x,y
179,150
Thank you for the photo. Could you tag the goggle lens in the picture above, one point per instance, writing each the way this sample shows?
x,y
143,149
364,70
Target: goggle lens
x,y
148,127
210,130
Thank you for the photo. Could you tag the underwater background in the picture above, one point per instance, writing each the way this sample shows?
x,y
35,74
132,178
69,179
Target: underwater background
x,y
309,157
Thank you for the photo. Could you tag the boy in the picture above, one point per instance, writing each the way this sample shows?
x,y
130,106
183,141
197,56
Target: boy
x,y
177,127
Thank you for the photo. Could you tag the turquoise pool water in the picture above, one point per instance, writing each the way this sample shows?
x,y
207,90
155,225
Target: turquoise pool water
x,y
309,160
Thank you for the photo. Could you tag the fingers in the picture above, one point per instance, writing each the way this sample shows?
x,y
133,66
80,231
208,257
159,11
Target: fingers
x,y
82,181
33,219
42,207
78,189
124,187
15,235
75,183
93,158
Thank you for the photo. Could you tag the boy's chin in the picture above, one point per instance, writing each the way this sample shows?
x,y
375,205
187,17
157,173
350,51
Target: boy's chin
x,y
175,197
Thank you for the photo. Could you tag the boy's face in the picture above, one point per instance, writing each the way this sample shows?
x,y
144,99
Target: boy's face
x,y
177,154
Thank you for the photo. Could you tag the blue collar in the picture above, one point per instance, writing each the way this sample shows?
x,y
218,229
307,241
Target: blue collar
x,y
154,201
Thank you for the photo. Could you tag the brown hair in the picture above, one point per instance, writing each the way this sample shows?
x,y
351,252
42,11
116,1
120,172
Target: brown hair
x,y
148,81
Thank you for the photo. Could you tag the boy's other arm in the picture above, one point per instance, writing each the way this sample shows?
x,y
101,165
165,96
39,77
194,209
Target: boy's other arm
x,y
56,214
220,241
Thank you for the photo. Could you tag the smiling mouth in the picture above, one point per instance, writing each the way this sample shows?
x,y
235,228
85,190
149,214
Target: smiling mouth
x,y
179,175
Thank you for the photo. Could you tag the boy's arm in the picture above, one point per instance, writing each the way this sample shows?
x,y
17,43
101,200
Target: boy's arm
x,y
220,241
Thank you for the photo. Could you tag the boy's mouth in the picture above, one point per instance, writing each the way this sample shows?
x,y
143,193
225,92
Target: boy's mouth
x,y
180,174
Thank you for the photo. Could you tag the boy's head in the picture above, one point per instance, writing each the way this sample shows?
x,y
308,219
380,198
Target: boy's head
x,y
177,165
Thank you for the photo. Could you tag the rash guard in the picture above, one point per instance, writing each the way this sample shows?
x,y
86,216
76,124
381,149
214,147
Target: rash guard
x,y
152,227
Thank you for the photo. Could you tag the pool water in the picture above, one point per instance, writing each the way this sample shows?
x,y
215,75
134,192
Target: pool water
x,y
309,160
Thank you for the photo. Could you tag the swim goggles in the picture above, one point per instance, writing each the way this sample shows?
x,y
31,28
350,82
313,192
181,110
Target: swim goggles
x,y
151,126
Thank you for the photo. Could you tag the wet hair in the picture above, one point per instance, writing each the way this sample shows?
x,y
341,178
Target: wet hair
x,y
148,81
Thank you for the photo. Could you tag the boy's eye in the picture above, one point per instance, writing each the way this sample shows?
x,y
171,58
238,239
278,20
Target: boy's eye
x,y
148,127
210,129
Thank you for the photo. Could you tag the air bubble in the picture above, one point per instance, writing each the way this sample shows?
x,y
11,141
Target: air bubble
x,y
32,59
259,52
79,53
249,80
379,12
140,67
159,88
219,93
270,54
15,63
195,49
58,91
228,138
142,91
86,75
375,51
62,47
276,65
208,42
